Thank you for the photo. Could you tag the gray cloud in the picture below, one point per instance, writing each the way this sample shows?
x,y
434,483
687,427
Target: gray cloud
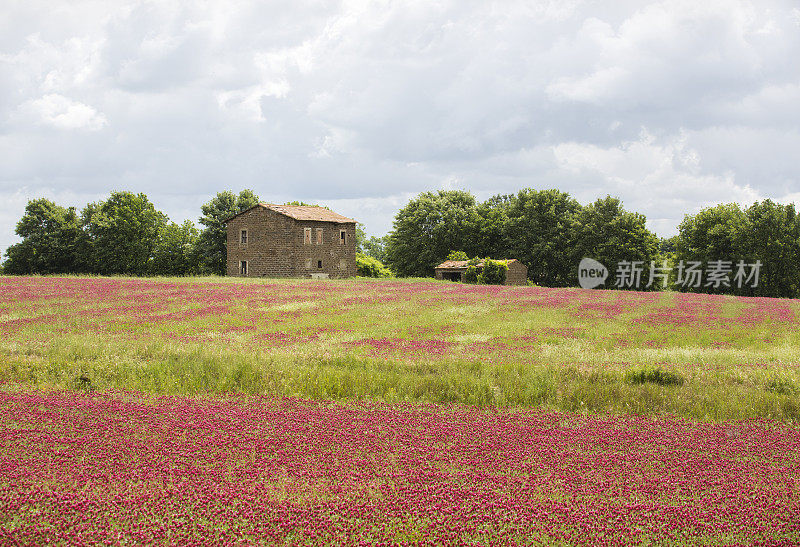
x,y
671,105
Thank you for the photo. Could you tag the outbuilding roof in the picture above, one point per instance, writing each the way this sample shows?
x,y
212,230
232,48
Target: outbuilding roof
x,y
302,212
462,264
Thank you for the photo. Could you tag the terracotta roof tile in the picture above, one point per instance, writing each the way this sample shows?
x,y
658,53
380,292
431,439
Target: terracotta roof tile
x,y
303,212
308,212
453,264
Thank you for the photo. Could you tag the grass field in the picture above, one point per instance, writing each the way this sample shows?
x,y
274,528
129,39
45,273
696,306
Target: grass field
x,y
230,411
691,355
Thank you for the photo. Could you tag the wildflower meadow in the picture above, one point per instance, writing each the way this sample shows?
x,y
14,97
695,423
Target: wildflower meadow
x,y
231,411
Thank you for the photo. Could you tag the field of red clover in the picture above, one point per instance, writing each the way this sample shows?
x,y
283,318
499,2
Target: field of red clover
x,y
85,469
395,412
390,317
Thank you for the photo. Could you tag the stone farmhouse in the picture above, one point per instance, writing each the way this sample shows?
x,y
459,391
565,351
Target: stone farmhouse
x,y
291,241
453,270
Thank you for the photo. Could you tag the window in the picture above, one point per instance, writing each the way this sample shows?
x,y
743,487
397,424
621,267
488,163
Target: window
x,y
243,267
342,237
243,237
306,236
319,236
319,264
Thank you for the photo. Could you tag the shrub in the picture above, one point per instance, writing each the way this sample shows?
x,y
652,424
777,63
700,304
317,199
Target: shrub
x,y
457,255
368,266
471,275
494,272
83,383
648,375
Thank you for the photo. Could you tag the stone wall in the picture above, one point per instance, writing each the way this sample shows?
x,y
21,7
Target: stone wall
x,y
452,274
278,247
517,274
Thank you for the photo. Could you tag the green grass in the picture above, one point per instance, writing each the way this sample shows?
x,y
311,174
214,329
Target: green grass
x,y
416,340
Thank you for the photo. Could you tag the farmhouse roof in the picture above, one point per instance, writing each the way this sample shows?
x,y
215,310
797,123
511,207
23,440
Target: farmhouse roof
x,y
462,264
302,212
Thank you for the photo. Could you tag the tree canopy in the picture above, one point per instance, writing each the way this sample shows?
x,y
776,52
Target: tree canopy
x,y
547,230
123,231
605,231
540,231
175,251
426,229
212,240
52,241
766,231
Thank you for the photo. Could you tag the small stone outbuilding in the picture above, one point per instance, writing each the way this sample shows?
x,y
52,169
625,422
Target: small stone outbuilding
x,y
291,241
453,270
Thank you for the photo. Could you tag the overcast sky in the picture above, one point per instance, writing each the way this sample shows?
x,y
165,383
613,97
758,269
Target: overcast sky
x,y
671,105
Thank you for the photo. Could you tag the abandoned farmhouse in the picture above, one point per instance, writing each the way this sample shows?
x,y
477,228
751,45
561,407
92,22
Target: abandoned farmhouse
x,y
291,241
453,270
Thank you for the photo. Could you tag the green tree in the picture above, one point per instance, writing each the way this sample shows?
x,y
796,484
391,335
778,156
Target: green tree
x,y
426,229
540,233
457,255
52,241
123,231
376,247
20,259
296,203
211,243
361,237
714,233
766,231
772,236
493,235
605,231
175,251
668,245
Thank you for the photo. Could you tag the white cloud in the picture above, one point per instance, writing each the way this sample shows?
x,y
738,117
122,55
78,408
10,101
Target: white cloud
x,y
64,113
373,102
670,54
659,178
376,214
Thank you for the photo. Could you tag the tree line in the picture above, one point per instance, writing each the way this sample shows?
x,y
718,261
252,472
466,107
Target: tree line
x,y
124,234
550,232
547,230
